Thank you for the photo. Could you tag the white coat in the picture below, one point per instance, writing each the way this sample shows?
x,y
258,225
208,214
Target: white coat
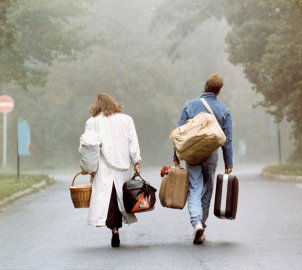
x,y
119,147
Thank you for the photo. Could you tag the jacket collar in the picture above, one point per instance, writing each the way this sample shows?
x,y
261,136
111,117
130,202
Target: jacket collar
x,y
209,95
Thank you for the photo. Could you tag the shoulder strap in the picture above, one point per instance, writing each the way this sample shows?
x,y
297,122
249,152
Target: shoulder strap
x,y
205,103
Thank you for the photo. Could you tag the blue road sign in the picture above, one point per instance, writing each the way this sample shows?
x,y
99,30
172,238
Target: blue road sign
x,y
23,138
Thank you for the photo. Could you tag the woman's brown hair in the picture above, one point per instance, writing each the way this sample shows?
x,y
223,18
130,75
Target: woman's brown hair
x,y
105,104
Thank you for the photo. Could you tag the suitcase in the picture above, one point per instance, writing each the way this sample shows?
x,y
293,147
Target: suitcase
x,y
174,187
226,196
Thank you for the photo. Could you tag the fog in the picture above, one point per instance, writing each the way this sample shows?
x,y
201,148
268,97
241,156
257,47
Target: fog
x,y
139,58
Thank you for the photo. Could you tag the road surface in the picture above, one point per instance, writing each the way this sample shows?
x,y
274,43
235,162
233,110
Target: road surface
x,y
44,231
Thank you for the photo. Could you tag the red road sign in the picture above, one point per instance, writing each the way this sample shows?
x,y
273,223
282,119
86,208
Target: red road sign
x,y
6,104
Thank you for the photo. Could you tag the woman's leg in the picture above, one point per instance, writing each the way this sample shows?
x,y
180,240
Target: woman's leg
x,y
114,218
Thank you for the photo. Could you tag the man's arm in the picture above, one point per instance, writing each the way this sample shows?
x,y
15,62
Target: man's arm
x,y
227,148
183,116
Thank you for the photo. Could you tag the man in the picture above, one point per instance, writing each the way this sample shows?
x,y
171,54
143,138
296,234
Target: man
x,y
201,176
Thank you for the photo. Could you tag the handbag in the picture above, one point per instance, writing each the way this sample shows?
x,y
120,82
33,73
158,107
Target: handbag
x,y
80,194
199,137
138,195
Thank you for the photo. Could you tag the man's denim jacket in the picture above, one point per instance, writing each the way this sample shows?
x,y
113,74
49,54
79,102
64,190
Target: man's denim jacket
x,y
223,116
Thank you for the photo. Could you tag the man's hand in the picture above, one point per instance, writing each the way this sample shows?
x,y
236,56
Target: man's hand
x,y
228,170
176,162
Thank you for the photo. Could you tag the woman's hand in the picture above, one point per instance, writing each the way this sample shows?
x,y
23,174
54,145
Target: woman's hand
x,y
137,168
88,172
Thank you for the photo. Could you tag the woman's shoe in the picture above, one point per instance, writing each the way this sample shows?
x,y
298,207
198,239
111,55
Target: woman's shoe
x,y
115,240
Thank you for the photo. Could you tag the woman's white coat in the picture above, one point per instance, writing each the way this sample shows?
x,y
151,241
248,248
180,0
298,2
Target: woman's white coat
x,y
119,147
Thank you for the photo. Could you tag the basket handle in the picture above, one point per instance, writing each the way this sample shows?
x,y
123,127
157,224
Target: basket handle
x,y
74,178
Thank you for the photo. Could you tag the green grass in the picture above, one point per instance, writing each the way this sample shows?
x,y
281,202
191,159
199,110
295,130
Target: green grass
x,y
9,184
284,169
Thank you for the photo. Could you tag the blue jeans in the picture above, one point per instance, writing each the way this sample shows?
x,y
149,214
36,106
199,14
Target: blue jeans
x,y
201,179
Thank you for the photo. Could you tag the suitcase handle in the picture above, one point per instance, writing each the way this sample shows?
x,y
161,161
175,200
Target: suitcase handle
x,y
180,167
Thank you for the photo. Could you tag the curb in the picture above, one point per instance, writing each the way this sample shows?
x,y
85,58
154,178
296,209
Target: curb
x,y
20,194
283,178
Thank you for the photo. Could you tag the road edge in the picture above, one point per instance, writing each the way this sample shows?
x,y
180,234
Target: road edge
x,y
20,194
283,178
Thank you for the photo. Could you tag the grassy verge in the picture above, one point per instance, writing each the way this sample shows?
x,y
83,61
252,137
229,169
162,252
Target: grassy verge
x,y
284,169
9,184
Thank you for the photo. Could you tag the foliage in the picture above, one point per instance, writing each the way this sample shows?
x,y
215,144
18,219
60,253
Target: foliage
x,y
34,33
9,184
297,4
266,40
6,28
185,16
133,66
57,111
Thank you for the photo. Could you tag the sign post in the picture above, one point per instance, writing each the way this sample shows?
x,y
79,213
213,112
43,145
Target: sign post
x,y
24,145
6,106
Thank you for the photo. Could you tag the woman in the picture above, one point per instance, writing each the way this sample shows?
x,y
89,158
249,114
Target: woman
x,y
119,147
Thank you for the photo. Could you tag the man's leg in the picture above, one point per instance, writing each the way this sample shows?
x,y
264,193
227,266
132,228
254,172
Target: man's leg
x,y
194,201
195,190
208,168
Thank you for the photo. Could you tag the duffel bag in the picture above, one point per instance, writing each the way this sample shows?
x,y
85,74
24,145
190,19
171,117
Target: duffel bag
x,y
198,138
138,195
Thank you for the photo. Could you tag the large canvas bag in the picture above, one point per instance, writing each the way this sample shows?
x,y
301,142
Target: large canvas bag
x,y
199,137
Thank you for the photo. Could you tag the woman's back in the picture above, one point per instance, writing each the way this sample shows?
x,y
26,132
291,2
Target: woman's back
x,y
119,139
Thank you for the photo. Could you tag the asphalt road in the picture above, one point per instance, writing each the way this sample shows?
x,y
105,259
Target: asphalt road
x,y
44,231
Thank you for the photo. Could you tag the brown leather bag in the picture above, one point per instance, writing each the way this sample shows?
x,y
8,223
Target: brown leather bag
x,y
174,187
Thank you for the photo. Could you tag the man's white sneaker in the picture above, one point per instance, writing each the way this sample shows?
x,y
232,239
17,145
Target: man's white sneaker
x,y
203,238
198,238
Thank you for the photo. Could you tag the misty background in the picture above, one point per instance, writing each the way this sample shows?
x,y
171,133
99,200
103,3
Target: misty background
x,y
151,55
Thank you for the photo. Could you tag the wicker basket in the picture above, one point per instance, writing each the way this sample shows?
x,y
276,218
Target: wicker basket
x,y
80,194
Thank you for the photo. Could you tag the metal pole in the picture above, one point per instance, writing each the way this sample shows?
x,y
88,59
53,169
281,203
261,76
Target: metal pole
x,y
18,161
4,138
279,144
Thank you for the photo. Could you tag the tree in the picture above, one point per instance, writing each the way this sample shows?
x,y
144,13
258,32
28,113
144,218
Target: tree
x,y
6,28
185,16
35,33
34,36
134,67
266,39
